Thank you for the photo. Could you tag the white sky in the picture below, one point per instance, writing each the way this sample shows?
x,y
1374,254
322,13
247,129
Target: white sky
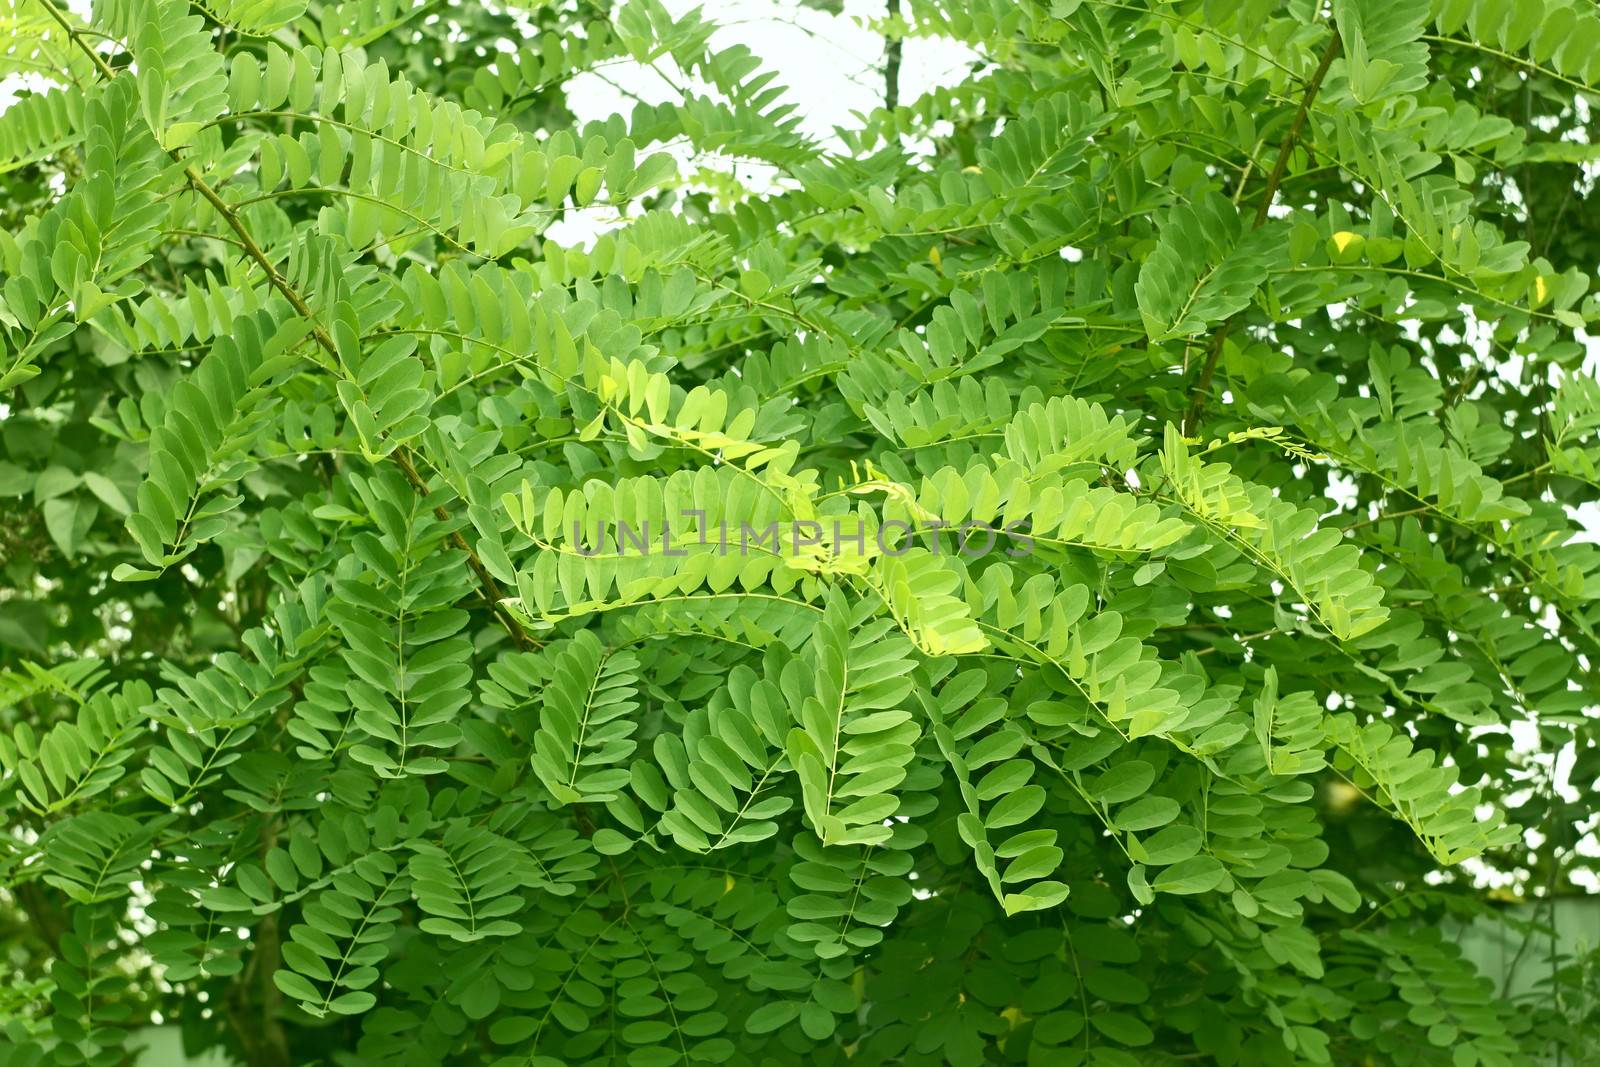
x,y
830,66
831,62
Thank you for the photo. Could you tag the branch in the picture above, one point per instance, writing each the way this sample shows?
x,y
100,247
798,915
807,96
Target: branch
x,y
893,49
1202,385
258,1025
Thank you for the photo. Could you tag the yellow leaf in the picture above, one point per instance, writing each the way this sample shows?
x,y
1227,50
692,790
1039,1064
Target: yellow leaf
x,y
1345,247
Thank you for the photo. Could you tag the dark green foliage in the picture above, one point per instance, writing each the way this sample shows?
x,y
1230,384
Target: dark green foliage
x,y
425,639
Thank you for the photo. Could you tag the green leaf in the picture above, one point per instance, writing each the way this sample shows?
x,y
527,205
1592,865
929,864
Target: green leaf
x,y
771,1016
1197,874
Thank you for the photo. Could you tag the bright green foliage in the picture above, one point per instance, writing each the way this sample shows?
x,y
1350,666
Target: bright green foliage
x,y
1048,575
1207,265
585,715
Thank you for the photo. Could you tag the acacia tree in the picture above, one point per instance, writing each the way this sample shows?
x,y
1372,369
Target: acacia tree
x,y
426,641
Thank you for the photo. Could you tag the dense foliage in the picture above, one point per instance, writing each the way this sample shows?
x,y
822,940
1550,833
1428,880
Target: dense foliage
x,y
341,720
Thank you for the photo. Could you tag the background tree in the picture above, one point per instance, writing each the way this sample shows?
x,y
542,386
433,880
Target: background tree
x,y
327,736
